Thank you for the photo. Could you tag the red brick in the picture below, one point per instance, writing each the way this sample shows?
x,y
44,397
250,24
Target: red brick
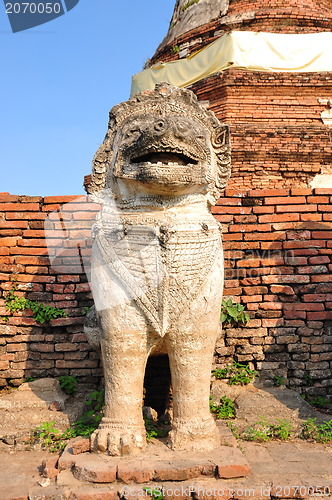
x,y
314,297
320,315
277,235
252,298
232,237
255,290
296,314
68,278
301,191
304,244
300,306
234,228
327,235
232,291
81,206
229,201
223,218
89,468
285,279
296,208
311,217
5,197
244,219
5,224
285,200
8,242
80,446
290,217
286,290
272,323
325,208
33,261
28,251
268,192
49,467
323,278
35,242
264,210
19,207
25,216
318,199
231,210
62,199
320,191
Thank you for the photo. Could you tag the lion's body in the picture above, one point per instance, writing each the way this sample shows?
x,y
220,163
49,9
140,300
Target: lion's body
x,y
157,270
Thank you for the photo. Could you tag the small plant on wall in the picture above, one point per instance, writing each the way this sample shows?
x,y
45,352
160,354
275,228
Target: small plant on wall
x,y
237,374
233,314
41,313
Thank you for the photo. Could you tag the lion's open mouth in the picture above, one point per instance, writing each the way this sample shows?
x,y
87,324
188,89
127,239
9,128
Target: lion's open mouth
x,y
164,158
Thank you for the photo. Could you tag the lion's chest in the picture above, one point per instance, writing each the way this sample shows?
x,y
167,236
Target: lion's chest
x,y
161,267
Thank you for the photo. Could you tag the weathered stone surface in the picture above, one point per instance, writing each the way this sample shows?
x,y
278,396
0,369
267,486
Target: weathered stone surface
x,y
188,16
157,264
135,471
80,446
49,467
180,471
66,460
95,471
159,464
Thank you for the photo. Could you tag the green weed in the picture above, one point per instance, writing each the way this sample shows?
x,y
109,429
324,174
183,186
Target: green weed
x,y
316,401
155,493
90,420
237,373
41,313
48,437
68,384
264,430
224,409
233,314
279,381
321,433
188,4
175,49
154,430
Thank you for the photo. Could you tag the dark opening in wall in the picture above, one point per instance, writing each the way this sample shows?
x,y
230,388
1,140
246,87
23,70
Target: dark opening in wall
x,y
157,383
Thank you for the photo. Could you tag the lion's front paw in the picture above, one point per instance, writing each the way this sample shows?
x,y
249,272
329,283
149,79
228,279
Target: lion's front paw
x,y
118,439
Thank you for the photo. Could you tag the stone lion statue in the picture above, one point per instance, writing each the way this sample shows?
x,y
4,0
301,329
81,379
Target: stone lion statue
x,y
157,263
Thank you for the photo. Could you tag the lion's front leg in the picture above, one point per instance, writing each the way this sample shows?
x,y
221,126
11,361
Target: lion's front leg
x,y
193,427
190,347
124,355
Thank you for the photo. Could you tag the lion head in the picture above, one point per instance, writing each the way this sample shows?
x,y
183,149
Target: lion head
x,y
163,142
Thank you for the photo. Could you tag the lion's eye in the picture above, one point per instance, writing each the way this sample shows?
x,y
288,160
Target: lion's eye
x,y
132,133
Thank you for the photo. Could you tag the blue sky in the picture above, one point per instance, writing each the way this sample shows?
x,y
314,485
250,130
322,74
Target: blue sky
x,y
58,83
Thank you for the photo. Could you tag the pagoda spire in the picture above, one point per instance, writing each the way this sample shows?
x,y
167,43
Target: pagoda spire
x,y
190,14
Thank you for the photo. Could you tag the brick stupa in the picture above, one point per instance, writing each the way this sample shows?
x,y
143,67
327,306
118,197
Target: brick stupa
x,y
279,138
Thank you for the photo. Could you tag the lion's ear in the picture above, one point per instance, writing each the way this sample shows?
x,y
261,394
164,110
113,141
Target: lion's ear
x,y
220,140
101,162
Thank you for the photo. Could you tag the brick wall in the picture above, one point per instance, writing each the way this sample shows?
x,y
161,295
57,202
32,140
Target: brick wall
x,y
53,275
278,137
278,247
